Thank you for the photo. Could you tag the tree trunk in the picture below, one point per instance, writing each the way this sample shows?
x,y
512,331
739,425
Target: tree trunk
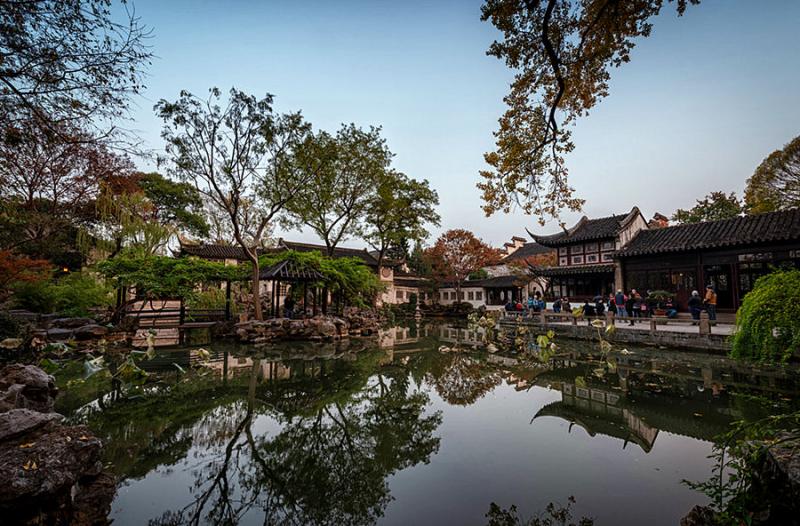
x,y
257,291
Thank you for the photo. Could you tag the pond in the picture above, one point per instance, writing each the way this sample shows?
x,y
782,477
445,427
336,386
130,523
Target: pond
x,y
397,431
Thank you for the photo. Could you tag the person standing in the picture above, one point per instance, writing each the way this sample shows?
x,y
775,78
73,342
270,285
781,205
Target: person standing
x,y
619,301
636,311
710,301
566,306
557,305
629,302
695,305
288,307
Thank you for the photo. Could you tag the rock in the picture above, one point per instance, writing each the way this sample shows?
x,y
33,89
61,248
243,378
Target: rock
x,y
699,516
23,315
89,332
327,329
92,504
59,335
49,473
19,422
51,464
71,323
11,343
26,386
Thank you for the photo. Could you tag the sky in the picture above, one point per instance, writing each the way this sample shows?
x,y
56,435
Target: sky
x,y
705,98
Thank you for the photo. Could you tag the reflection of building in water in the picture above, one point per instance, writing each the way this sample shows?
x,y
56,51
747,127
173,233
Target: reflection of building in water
x,y
634,396
229,366
601,412
400,336
451,334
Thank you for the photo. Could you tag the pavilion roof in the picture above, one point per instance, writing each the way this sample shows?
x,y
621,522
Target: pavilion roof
x,y
338,252
290,270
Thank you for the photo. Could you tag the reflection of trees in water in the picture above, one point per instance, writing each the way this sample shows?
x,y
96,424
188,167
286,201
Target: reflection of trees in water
x,y
462,380
325,466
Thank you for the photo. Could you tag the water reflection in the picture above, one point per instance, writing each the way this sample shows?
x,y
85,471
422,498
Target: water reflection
x,y
332,434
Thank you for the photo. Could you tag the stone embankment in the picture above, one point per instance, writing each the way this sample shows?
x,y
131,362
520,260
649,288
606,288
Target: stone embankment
x,y
49,473
316,329
664,336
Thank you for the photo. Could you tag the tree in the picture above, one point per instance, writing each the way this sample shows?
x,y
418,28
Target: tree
x,y
347,169
768,322
562,51
417,261
398,212
67,62
16,269
239,157
48,184
714,207
457,253
775,185
143,211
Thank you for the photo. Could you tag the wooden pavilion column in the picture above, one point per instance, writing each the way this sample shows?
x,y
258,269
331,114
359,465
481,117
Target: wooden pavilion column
x,y
315,292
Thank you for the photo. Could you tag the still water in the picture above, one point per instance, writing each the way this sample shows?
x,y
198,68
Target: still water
x,y
397,431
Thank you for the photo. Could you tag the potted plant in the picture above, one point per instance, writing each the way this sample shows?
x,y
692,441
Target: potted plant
x,y
661,298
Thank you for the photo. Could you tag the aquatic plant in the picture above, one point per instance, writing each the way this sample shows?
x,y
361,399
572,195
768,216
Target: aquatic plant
x,y
554,515
734,489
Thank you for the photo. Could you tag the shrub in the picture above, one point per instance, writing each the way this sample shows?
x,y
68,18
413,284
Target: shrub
x,y
210,299
35,296
73,295
768,322
10,327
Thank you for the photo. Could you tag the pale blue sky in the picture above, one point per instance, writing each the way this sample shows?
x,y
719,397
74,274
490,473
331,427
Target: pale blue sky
x,y
704,99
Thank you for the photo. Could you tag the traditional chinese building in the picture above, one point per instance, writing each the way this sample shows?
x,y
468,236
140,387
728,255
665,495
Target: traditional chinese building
x,y
400,283
597,256
585,265
729,255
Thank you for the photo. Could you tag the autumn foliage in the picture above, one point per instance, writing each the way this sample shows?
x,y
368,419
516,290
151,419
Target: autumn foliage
x,y
15,269
457,253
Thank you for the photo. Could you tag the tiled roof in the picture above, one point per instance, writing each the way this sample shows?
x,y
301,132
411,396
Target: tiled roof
x,y
499,282
576,270
588,230
772,227
527,250
211,251
288,270
338,252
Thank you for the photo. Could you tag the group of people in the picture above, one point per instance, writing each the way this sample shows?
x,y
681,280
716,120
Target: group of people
x,y
707,303
633,305
630,305
534,304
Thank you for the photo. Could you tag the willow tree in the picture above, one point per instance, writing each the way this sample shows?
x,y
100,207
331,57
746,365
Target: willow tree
x,y
237,153
562,52
143,211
